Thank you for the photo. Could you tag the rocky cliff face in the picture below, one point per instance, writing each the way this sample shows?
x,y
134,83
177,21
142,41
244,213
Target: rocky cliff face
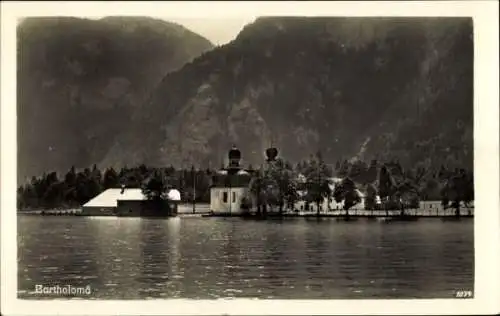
x,y
81,82
352,87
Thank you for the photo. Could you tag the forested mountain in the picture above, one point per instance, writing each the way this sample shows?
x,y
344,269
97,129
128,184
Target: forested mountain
x,y
367,88
351,87
80,83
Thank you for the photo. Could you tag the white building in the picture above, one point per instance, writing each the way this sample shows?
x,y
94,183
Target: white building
x,y
225,200
229,186
327,204
436,206
122,202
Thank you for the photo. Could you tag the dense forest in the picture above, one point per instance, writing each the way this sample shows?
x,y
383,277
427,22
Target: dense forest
x,y
274,184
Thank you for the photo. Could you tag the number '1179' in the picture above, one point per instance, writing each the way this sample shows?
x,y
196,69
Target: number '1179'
x,y
463,294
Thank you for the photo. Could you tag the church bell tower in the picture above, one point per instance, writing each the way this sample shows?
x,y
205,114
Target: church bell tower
x,y
234,156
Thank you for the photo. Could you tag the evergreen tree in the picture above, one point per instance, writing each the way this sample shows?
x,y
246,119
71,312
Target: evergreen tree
x,y
69,187
351,197
87,172
281,184
371,173
96,173
123,174
143,171
257,189
28,197
156,189
358,171
318,176
111,179
445,195
52,196
431,190
20,197
83,190
457,188
371,196
337,166
346,191
38,189
443,173
170,171
407,195
468,188
70,177
384,183
344,169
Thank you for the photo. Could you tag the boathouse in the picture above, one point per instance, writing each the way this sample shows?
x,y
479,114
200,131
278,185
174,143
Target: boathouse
x,y
125,202
230,185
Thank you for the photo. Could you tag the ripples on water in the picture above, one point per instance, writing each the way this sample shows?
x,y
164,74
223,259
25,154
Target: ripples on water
x,y
131,258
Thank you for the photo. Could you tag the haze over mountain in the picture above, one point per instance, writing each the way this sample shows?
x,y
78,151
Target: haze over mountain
x,y
350,87
81,81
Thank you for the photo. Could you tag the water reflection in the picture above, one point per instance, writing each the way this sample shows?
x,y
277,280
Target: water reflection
x,y
153,241
71,255
117,255
130,258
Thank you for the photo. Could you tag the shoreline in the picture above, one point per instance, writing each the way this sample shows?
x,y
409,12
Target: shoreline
x,y
339,216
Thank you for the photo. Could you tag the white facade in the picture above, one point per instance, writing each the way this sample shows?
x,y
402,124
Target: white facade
x,y
437,206
227,200
331,204
431,206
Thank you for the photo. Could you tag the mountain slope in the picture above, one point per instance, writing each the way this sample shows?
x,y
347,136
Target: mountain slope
x,y
367,87
81,82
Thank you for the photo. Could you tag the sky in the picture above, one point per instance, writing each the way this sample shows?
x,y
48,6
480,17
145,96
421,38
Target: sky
x,y
218,31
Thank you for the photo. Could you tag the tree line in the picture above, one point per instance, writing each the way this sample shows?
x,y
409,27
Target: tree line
x,y
275,185
278,185
76,188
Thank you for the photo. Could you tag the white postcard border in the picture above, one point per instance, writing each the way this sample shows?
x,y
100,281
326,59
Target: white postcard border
x,y
486,153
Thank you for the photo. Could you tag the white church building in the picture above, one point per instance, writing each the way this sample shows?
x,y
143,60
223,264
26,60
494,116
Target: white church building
x,y
229,186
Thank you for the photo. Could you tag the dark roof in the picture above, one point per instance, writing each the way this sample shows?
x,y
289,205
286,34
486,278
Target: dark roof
x,y
234,153
271,153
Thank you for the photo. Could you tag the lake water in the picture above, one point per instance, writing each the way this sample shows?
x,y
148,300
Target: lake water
x,y
134,258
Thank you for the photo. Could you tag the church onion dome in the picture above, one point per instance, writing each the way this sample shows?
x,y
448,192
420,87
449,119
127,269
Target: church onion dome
x,y
174,195
271,153
234,154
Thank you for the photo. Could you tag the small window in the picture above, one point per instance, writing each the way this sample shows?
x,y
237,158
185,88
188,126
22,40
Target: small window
x,y
224,197
234,197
